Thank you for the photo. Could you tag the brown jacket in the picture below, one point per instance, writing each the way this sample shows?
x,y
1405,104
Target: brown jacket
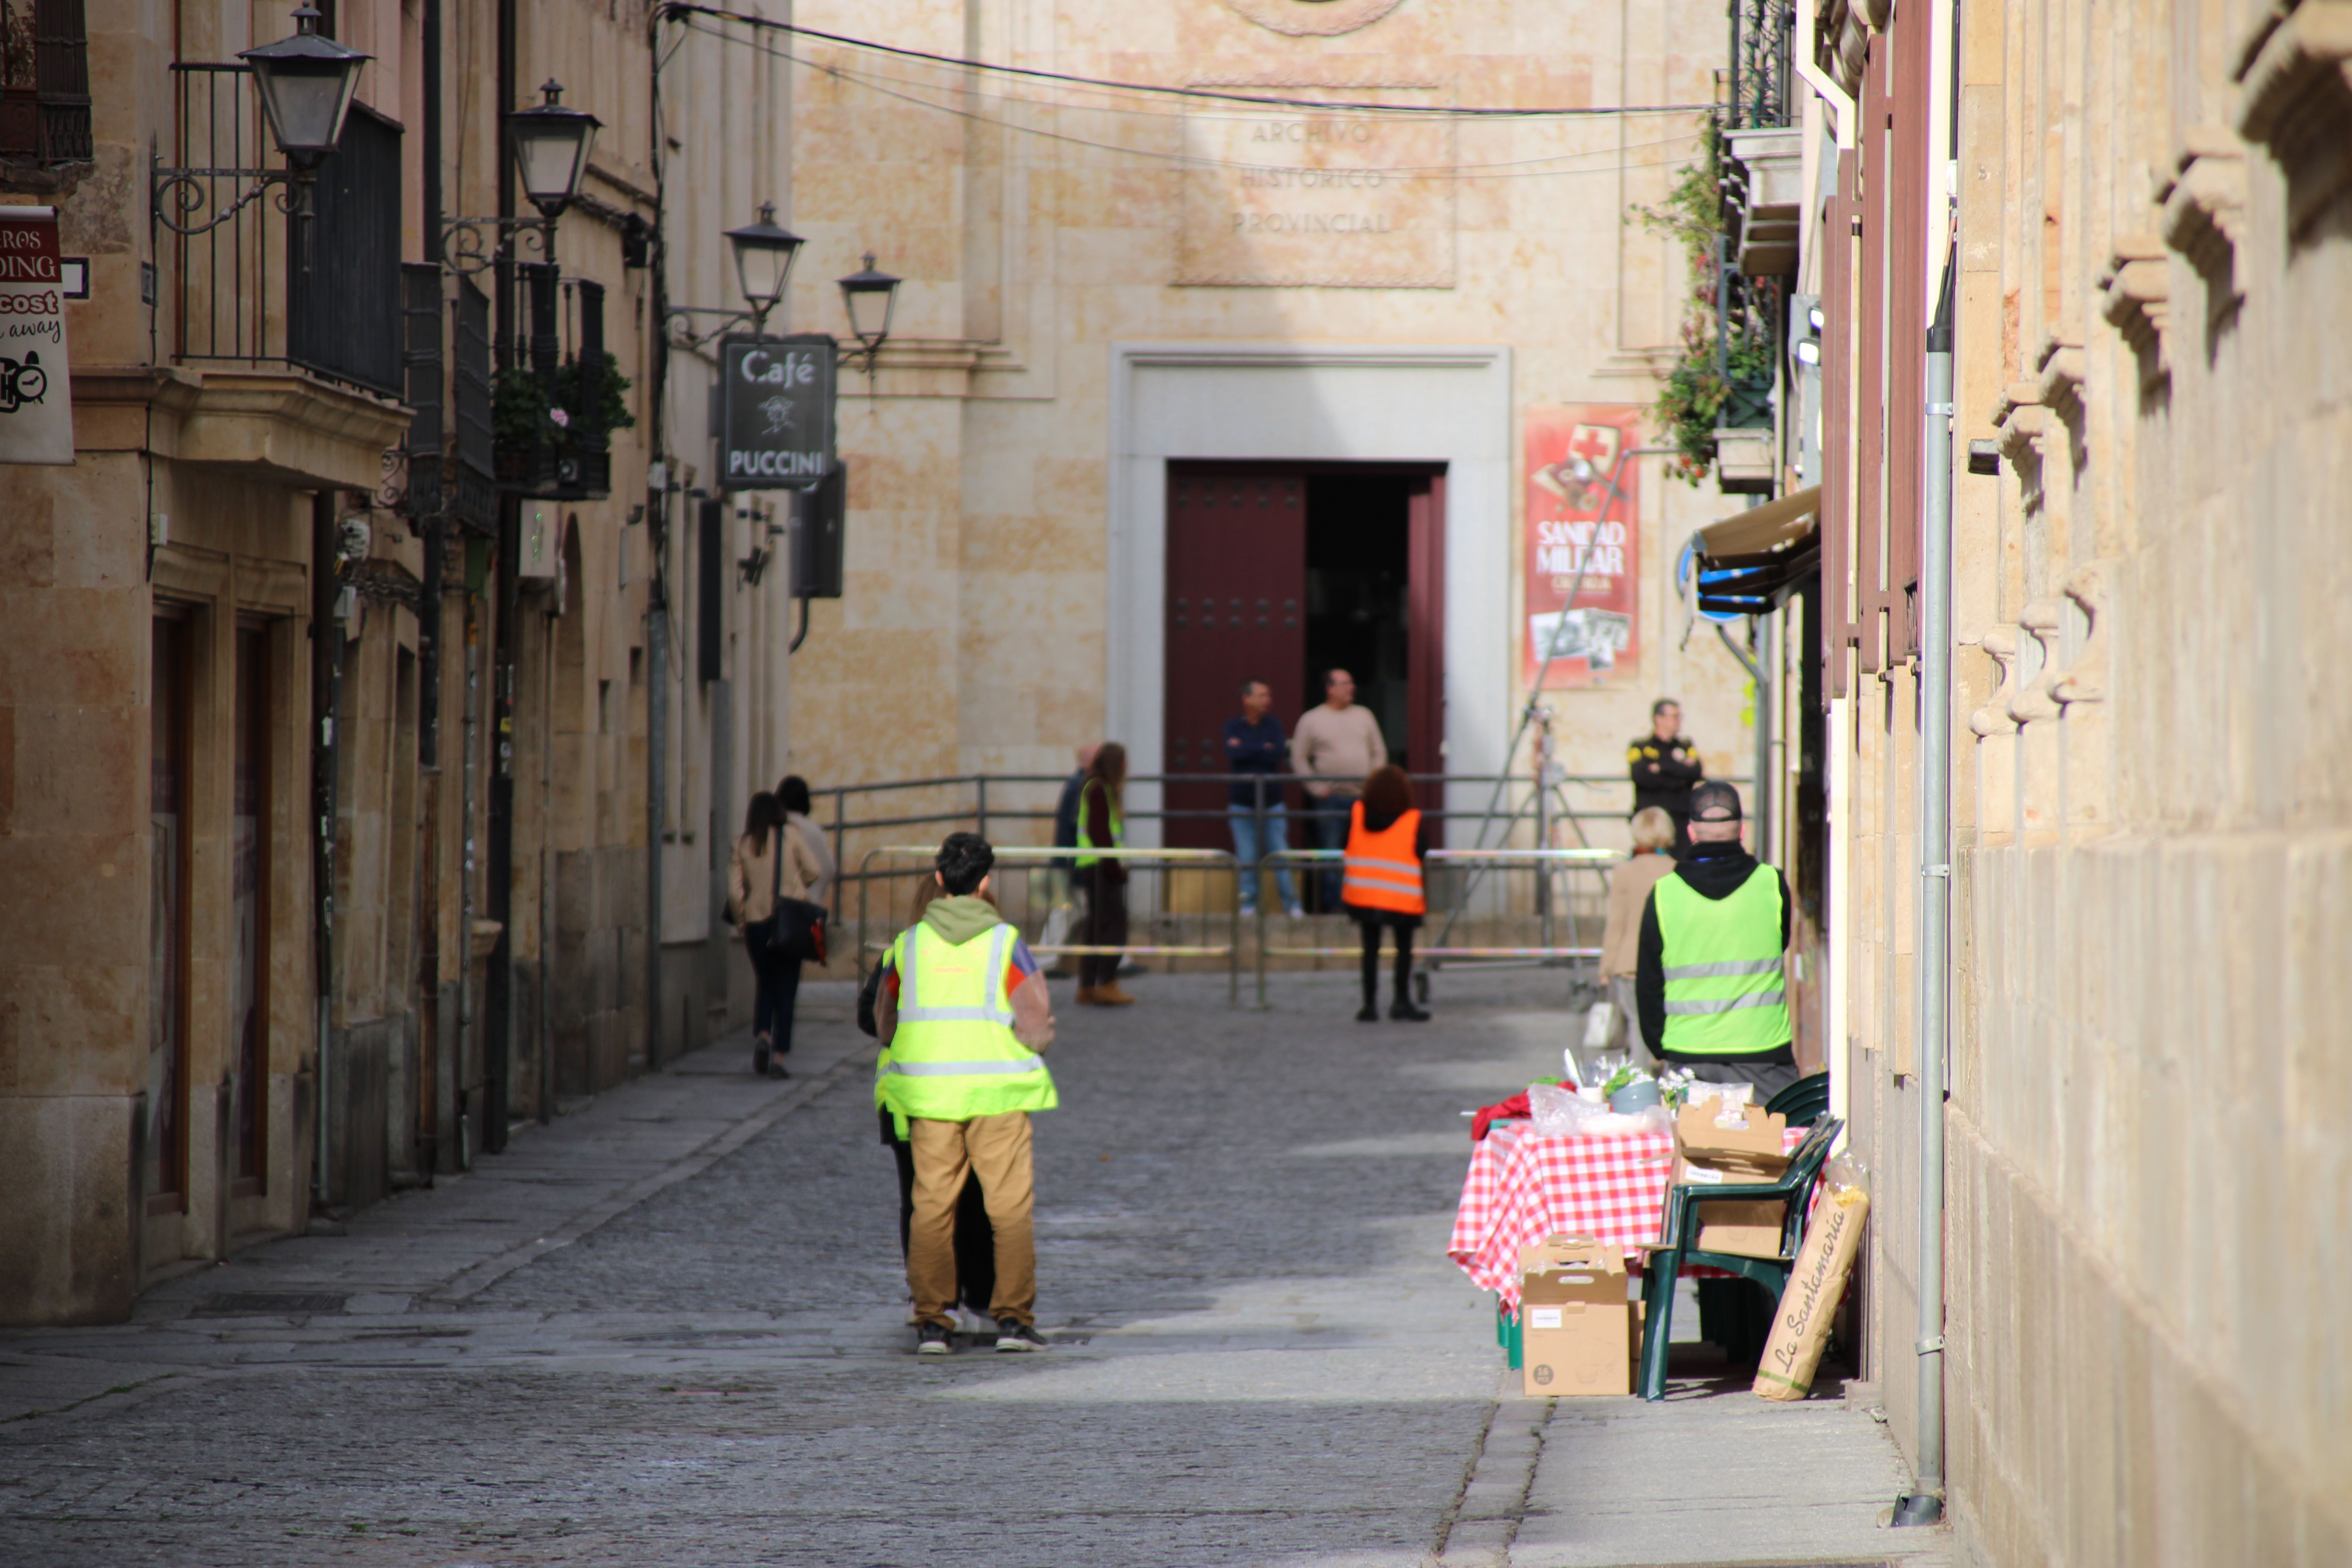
x,y
1629,889
754,881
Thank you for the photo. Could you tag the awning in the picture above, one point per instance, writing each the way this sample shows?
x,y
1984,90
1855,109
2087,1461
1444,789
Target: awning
x,y
1751,562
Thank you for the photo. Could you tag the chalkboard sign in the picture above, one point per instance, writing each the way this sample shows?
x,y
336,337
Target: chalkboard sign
x,y
775,428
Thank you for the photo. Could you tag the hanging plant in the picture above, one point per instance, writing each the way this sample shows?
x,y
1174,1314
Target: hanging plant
x,y
1693,402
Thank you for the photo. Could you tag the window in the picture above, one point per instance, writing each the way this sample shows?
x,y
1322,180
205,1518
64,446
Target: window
x,y
44,81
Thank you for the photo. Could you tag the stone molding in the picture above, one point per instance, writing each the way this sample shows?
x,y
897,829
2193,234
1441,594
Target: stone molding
x,y
2086,680
284,426
2296,80
2063,371
2204,206
1312,18
2041,619
2134,290
1993,718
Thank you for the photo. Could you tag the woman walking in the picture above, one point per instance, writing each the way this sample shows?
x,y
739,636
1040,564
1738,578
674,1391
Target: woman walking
x,y
800,810
1102,825
770,863
1382,884
1655,834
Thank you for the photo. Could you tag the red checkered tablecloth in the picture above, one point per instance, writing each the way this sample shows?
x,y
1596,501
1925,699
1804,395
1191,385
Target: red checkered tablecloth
x,y
1528,1188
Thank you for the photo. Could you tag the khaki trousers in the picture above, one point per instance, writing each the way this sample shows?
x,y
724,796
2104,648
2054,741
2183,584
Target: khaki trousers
x,y
998,1149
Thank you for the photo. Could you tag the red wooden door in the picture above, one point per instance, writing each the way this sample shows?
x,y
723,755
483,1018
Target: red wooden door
x,y
1236,610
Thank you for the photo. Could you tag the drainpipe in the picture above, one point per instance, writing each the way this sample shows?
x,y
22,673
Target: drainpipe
x,y
326,683
428,679
1926,1505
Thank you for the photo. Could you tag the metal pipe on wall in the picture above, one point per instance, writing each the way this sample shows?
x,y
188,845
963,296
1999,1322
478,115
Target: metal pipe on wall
x,y
1933,955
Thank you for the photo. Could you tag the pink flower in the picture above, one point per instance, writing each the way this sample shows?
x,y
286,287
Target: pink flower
x,y
562,420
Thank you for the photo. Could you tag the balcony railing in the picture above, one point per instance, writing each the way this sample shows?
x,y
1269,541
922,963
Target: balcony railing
x,y
1761,34
254,290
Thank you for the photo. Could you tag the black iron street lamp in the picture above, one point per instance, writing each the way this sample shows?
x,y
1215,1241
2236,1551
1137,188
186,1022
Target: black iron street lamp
x,y
306,84
763,262
551,143
870,295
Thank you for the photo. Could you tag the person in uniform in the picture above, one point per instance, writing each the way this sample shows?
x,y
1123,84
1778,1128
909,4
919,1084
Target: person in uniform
x,y
1665,767
1388,839
963,1015
1708,978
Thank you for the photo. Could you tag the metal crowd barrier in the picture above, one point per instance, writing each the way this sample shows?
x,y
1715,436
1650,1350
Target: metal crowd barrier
x,y
1455,898
1016,889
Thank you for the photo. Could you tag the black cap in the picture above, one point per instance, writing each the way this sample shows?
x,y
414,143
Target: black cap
x,y
1714,801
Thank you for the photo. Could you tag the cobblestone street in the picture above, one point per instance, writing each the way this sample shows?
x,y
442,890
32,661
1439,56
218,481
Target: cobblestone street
x,y
671,1329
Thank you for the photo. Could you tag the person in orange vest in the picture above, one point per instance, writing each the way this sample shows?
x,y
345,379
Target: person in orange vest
x,y
1387,840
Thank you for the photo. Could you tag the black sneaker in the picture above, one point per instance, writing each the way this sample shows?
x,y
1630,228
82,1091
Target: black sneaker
x,y
1368,1014
1405,1011
763,1053
1013,1336
932,1339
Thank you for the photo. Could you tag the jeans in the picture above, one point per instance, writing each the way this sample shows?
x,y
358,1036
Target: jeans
x,y
779,976
1331,833
1255,838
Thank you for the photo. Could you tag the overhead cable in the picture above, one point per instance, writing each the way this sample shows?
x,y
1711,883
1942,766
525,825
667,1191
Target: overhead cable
x,y
680,10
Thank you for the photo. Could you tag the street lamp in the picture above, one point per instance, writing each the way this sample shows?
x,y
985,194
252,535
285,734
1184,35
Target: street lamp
x,y
763,262
306,83
870,295
550,151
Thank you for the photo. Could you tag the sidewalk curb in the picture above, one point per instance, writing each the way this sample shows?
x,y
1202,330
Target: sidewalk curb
x,y
1484,1521
473,1282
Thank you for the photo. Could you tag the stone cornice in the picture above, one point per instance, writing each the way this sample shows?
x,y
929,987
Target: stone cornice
x,y
284,426
2135,292
2296,81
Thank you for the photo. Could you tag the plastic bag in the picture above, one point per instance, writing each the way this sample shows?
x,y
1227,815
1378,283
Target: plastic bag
x,y
1560,1114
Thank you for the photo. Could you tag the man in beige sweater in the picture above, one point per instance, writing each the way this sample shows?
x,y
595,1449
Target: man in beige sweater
x,y
1334,747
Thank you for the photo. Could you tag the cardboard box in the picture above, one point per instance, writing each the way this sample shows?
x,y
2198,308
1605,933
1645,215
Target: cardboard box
x,y
1710,1155
1576,1326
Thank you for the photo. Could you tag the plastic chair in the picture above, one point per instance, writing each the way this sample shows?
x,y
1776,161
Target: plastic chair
x,y
1678,1245
1804,1101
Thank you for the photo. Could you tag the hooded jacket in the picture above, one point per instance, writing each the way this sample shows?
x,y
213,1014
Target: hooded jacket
x,y
1713,872
958,919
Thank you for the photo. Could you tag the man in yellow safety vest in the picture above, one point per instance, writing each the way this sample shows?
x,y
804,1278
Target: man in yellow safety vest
x,y
962,1013
1707,978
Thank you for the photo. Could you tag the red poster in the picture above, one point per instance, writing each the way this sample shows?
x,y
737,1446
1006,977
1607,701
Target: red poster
x,y
1582,514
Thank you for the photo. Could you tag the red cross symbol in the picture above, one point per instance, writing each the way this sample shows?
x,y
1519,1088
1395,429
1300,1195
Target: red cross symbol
x,y
1594,446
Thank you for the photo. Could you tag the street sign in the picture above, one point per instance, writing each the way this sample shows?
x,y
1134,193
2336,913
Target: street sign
x,y
35,395
776,425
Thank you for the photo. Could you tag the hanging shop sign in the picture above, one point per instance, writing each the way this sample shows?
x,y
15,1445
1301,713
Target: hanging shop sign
x,y
775,422
1582,511
36,392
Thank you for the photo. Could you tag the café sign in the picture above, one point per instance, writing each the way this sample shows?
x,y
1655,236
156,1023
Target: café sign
x,y
36,392
776,425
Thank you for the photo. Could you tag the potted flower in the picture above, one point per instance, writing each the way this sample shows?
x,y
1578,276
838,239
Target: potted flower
x,y
552,432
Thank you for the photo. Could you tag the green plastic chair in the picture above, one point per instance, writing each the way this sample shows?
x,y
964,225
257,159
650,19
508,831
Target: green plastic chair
x,y
1803,1102
1678,1245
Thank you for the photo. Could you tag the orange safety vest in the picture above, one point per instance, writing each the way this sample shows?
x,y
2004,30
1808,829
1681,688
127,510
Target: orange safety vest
x,y
1382,871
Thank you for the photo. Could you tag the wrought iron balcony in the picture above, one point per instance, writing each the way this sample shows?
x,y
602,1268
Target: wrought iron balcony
x,y
246,285
1762,35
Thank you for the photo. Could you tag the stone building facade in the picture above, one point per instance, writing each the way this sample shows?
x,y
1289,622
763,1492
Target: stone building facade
x,y
2150,228
291,581
1113,292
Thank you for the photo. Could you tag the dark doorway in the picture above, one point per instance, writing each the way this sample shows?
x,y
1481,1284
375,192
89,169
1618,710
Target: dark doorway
x,y
1358,539
1279,572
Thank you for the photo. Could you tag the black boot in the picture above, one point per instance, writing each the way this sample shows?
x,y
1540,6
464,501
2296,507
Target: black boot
x,y
1403,1011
